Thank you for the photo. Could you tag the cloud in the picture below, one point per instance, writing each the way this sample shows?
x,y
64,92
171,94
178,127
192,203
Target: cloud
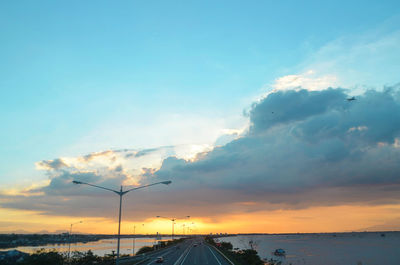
x,y
229,136
51,164
109,168
309,80
353,61
291,106
358,61
303,143
303,149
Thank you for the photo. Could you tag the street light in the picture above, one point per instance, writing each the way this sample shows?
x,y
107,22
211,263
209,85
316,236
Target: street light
x,y
134,237
121,193
183,229
190,228
69,238
173,223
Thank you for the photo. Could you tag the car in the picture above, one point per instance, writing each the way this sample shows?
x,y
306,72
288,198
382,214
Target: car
x,y
280,252
195,245
160,260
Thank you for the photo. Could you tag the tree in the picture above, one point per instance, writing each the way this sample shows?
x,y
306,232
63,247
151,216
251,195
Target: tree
x,y
227,245
42,257
144,250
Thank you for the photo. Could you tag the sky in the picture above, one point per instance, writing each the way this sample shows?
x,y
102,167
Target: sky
x,y
242,105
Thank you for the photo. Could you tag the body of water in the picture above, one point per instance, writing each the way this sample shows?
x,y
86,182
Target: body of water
x,y
326,249
100,248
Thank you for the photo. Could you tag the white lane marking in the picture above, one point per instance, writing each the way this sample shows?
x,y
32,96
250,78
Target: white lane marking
x,y
202,249
214,255
177,262
187,254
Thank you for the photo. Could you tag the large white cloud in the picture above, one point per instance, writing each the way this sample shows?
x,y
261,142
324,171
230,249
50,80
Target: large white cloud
x,y
303,141
303,148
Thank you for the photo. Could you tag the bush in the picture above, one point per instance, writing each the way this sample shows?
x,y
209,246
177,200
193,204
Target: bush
x,y
83,258
144,250
248,256
54,258
42,257
226,245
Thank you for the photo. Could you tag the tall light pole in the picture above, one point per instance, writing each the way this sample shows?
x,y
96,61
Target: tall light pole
x,y
134,237
173,223
190,228
121,193
69,238
133,244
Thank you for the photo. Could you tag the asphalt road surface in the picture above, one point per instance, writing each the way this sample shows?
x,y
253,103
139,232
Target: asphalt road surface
x,y
190,252
203,254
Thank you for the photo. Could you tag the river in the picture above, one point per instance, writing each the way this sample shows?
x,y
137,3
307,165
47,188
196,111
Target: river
x,y
327,249
100,248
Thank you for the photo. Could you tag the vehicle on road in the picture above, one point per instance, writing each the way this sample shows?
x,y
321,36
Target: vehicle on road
x,y
160,260
279,252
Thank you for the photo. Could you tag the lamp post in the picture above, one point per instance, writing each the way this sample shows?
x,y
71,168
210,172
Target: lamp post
x,y
69,238
133,243
190,228
121,193
134,237
173,223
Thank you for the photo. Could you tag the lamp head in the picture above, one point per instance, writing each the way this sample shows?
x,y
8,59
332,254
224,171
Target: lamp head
x,y
166,182
76,182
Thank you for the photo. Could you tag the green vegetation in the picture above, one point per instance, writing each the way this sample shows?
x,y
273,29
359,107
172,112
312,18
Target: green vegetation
x,y
242,257
43,257
161,244
144,249
53,257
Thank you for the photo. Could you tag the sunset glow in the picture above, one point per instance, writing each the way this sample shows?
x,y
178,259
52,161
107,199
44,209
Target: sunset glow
x,y
267,117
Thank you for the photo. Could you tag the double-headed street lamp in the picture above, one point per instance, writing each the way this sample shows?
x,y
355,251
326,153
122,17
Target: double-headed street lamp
x,y
173,223
121,193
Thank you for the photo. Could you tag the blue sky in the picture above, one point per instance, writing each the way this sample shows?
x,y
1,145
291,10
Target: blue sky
x,y
80,77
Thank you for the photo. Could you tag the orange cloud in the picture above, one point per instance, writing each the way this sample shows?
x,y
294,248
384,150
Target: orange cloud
x,y
312,220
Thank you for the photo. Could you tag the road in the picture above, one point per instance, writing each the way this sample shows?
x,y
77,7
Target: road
x,y
190,252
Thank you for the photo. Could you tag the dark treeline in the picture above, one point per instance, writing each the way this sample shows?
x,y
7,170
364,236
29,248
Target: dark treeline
x,y
42,257
53,257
